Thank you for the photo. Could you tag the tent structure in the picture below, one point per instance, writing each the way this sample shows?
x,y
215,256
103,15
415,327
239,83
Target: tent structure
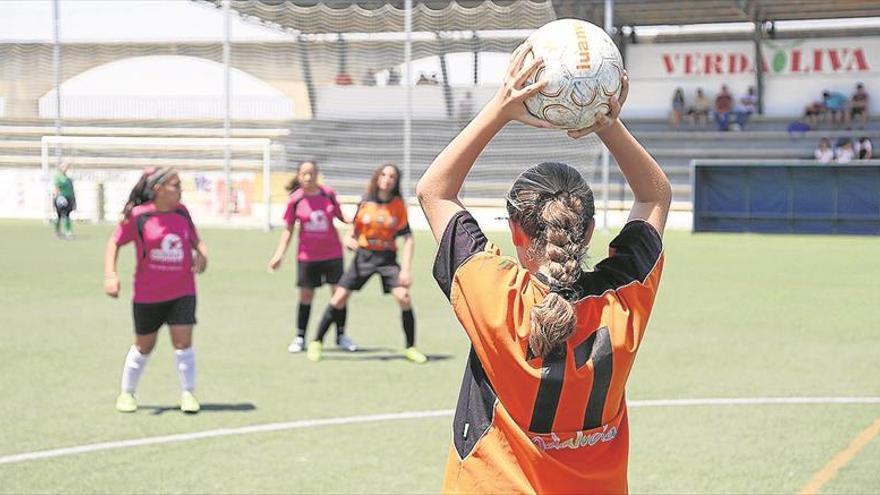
x,y
165,87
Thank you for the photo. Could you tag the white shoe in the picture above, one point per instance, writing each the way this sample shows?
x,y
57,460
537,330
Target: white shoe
x,y
344,342
297,345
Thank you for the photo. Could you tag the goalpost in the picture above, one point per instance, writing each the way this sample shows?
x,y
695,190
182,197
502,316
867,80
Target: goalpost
x,y
217,187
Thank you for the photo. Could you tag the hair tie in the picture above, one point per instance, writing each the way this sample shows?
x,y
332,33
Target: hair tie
x,y
569,293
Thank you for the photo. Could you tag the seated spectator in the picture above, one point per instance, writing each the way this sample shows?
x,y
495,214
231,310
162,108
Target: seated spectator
x,y
677,108
845,153
343,79
423,80
749,102
699,112
369,78
859,103
393,77
835,106
866,149
723,108
824,153
748,105
433,80
813,112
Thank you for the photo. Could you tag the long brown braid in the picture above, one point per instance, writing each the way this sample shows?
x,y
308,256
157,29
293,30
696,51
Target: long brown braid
x,y
554,206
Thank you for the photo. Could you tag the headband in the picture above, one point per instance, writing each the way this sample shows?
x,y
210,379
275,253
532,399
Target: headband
x,y
155,178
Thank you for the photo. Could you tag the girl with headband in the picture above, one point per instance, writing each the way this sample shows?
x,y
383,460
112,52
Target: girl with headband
x,y
168,252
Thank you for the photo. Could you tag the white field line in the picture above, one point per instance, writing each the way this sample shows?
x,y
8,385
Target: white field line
x,y
373,418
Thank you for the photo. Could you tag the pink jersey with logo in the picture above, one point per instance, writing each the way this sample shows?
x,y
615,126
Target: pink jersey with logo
x,y
163,250
318,239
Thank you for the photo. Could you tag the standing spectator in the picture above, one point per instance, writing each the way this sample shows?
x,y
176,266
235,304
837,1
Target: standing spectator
x,y
866,149
845,152
723,108
859,104
677,108
824,153
835,106
343,79
699,112
369,78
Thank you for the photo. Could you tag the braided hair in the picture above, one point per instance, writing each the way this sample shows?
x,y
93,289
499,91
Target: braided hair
x,y
554,206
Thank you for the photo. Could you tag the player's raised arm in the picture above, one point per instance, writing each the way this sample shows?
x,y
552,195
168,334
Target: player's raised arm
x,y
649,184
438,188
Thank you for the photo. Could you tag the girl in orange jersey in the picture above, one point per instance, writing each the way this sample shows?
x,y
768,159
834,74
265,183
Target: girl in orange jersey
x,y
542,405
380,219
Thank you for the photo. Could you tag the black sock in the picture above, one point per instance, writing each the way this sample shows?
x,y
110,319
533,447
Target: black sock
x,y
409,326
326,321
331,316
302,319
340,315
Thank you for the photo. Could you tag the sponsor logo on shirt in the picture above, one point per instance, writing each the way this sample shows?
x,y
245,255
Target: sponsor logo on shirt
x,y
317,222
579,440
170,251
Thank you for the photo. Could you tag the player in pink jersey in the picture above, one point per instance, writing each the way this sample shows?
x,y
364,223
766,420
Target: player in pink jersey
x,y
164,282
319,251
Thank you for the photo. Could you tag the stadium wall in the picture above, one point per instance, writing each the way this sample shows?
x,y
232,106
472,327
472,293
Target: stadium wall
x,y
797,196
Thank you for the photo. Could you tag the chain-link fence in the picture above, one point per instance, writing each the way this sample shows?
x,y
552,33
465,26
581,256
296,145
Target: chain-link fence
x,y
350,88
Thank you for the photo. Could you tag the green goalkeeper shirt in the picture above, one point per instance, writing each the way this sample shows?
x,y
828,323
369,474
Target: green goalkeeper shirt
x,y
64,185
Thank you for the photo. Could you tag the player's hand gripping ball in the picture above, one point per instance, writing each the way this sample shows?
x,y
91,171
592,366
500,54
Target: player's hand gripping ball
x,y
583,69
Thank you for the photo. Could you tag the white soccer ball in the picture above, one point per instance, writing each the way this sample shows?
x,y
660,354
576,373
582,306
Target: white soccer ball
x,y
584,69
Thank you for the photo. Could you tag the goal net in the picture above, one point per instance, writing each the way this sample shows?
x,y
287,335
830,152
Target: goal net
x,y
224,180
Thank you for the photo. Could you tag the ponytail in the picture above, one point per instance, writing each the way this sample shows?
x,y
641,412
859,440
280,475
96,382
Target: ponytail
x,y
138,195
293,185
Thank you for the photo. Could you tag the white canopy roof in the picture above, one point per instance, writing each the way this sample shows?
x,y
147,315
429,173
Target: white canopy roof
x,y
166,86
126,21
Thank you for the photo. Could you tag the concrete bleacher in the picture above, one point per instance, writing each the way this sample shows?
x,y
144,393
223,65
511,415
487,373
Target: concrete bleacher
x,y
349,150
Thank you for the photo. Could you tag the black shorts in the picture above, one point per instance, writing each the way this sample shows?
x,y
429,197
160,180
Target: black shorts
x,y
312,274
857,111
366,263
64,206
149,317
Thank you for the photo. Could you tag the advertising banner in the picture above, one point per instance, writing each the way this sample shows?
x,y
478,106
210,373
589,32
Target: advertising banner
x,y
795,72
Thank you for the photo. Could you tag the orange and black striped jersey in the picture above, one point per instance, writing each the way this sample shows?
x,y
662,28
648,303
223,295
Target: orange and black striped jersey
x,y
524,424
378,224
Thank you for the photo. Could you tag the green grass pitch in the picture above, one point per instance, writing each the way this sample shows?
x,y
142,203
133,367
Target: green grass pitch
x,y
737,316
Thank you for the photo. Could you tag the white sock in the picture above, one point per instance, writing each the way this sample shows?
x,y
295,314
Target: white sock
x,y
185,359
135,362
